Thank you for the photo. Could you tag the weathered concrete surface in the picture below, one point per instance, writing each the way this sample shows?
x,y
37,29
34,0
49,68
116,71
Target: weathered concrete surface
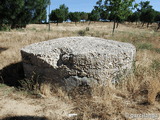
x,y
76,60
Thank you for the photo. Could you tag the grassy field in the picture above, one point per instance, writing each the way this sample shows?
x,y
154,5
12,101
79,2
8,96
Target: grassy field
x,y
137,94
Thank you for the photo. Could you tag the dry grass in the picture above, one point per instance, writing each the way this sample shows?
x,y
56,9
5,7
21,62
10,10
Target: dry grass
x,y
112,102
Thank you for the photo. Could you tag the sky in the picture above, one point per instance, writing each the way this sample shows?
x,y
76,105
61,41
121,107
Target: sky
x,y
87,5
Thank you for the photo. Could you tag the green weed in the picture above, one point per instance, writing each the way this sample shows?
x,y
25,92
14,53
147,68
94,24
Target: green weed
x,y
157,50
146,46
156,65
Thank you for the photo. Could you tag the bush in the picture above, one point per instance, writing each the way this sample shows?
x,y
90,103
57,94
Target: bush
x,y
87,28
5,27
82,33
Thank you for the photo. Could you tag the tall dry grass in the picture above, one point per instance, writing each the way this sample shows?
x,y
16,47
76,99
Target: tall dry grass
x,y
138,93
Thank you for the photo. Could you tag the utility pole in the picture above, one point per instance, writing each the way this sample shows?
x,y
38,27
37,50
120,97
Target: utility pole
x,y
49,25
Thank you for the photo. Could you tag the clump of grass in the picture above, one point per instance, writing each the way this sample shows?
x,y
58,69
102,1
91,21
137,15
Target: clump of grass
x,y
87,28
4,27
146,46
2,85
156,65
82,32
157,50
20,29
30,84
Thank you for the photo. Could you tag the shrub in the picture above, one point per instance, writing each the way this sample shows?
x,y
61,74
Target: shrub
x,y
87,28
4,27
82,33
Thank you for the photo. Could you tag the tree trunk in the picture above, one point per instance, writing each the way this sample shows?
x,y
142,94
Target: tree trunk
x,y
49,26
117,25
147,24
158,26
13,26
89,23
114,24
142,24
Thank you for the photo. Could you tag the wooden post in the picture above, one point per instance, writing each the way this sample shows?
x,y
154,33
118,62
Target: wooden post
x,y
49,26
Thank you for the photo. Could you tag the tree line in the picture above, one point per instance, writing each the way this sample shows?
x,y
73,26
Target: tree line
x,y
116,11
19,13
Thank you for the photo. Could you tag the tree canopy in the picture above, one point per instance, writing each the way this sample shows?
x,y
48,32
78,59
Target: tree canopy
x,y
94,15
59,15
74,16
19,13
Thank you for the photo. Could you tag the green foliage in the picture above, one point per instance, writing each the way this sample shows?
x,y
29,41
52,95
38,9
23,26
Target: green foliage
x,y
82,32
5,27
94,15
84,16
2,85
157,16
19,13
64,9
74,16
156,64
144,5
114,10
59,15
100,7
135,17
147,15
119,9
157,50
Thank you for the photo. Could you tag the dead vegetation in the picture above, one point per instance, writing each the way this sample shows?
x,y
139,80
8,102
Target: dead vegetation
x,y
138,93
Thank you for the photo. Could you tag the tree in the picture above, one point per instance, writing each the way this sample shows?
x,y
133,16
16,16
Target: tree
x,y
59,15
74,17
100,7
135,17
64,8
157,19
147,13
157,16
19,13
144,5
147,16
7,14
119,9
94,15
84,16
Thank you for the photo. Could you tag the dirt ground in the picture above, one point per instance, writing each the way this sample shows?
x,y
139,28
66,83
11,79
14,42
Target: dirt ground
x,y
13,103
